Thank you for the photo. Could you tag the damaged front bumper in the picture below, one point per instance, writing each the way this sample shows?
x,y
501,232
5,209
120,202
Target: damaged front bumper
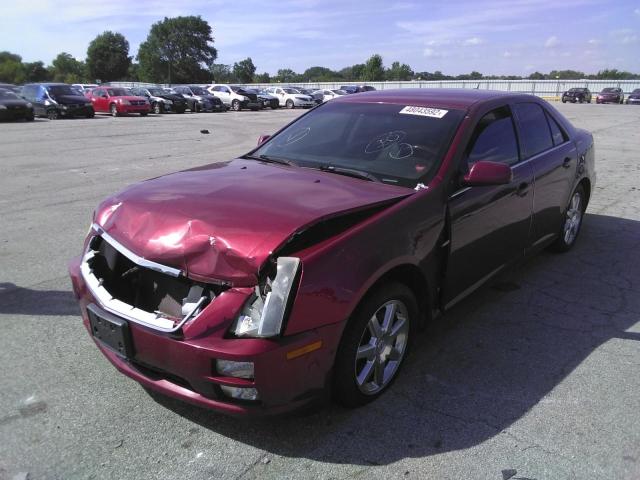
x,y
175,350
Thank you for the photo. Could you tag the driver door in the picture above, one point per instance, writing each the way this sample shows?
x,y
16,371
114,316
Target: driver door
x,y
489,224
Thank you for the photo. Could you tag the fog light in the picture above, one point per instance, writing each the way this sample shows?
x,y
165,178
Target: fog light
x,y
240,393
229,368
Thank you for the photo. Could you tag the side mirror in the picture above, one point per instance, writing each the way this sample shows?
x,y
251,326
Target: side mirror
x,y
263,138
485,173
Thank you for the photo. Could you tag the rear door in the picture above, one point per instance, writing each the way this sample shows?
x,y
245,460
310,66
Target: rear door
x,y
554,161
489,224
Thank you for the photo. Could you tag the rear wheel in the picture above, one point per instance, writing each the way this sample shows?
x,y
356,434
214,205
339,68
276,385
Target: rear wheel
x,y
156,108
53,114
235,105
572,221
290,103
374,344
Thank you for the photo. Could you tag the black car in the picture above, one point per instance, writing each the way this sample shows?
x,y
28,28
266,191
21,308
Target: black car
x,y
577,95
357,88
317,97
199,100
634,98
12,107
268,101
10,86
56,100
161,101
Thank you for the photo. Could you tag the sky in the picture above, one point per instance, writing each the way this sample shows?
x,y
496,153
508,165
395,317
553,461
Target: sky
x,y
493,36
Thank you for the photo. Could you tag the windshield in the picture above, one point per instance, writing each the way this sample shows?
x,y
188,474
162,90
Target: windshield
x,y
339,92
118,92
7,95
157,92
636,91
609,90
290,90
55,90
199,91
391,142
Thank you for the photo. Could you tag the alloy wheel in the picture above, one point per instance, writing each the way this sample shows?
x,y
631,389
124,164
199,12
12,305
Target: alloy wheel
x,y
382,347
573,218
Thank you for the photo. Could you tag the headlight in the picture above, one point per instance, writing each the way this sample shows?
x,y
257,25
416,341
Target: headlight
x,y
263,315
2,107
124,101
168,102
29,105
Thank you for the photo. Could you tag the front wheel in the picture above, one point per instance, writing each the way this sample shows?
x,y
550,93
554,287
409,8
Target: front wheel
x,y
290,104
53,114
235,105
157,109
572,221
114,110
374,345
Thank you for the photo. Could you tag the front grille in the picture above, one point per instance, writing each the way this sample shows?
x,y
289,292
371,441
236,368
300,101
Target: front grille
x,y
158,296
137,102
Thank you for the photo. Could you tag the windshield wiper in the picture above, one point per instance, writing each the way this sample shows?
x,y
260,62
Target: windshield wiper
x,y
349,172
267,158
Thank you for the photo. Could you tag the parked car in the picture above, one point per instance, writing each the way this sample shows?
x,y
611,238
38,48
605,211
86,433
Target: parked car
x,y
235,97
10,86
83,88
118,101
200,100
357,88
268,99
290,97
311,262
610,95
330,94
578,95
56,100
160,100
634,98
12,107
317,97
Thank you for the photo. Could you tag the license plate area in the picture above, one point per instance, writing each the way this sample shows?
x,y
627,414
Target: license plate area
x,y
111,331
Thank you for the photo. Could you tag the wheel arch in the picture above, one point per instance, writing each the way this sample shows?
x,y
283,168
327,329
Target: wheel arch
x,y
586,185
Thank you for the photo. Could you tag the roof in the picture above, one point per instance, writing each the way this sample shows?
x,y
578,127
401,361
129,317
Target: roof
x,y
459,98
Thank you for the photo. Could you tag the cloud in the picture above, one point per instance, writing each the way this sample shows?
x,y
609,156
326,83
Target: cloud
x,y
594,41
551,42
507,54
637,11
472,41
625,36
430,52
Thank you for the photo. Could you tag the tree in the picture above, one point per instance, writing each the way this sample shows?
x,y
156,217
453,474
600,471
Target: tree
x,y
263,78
108,57
177,50
566,74
11,69
133,73
536,76
373,69
35,72
221,73
399,72
319,74
244,70
286,75
67,69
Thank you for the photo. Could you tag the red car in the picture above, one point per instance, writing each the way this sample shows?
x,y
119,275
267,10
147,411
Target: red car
x,y
308,265
117,101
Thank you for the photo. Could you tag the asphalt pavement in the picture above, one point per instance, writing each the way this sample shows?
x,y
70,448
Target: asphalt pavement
x,y
533,377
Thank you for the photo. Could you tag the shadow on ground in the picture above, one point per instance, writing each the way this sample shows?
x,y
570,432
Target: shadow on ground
x,y
26,301
483,366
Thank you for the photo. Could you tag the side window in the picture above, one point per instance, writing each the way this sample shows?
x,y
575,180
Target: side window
x,y
536,135
556,132
494,139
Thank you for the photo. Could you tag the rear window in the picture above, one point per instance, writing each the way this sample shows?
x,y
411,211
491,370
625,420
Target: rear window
x,y
534,128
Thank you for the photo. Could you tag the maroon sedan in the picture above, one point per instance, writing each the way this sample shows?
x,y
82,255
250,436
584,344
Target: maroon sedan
x,y
254,285
117,101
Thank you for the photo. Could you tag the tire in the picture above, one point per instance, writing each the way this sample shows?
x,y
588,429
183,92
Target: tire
x,y
114,110
144,114
290,104
235,105
53,114
366,365
90,115
156,108
572,221
564,100
30,117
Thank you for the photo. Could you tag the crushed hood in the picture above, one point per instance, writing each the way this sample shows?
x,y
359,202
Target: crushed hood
x,y
221,222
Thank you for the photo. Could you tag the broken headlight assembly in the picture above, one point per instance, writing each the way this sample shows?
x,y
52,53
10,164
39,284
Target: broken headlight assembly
x,y
263,315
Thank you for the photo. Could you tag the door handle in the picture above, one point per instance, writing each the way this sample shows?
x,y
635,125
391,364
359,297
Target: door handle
x,y
566,163
522,189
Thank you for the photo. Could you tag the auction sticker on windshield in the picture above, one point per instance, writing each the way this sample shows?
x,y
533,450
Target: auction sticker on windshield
x,y
424,111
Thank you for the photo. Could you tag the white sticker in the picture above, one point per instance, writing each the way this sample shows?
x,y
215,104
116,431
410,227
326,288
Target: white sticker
x,y
424,111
